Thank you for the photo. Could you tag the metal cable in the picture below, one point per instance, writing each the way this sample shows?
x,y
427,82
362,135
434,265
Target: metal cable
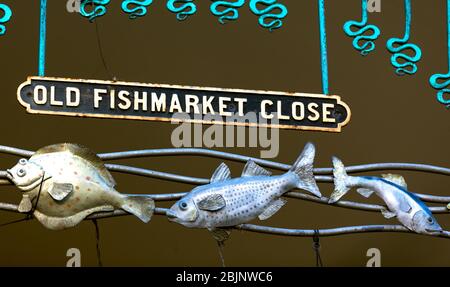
x,y
271,230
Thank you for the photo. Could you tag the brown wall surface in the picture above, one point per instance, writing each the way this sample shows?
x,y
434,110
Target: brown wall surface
x,y
394,119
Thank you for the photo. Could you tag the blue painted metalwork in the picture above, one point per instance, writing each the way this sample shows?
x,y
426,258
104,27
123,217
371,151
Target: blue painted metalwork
x,y
184,10
136,8
407,63
230,12
360,35
5,18
42,37
323,46
266,13
441,82
98,10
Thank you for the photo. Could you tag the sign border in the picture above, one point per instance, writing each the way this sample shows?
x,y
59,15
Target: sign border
x,y
196,88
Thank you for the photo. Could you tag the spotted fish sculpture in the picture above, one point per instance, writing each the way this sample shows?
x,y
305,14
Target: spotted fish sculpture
x,y
227,202
392,189
63,184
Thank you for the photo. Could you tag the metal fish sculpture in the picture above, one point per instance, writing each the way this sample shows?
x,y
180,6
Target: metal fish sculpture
x,y
227,202
392,189
63,184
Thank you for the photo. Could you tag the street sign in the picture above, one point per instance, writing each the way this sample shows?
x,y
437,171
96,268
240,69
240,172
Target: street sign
x,y
154,102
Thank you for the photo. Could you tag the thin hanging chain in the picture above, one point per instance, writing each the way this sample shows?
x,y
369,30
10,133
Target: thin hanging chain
x,y
316,247
97,236
220,246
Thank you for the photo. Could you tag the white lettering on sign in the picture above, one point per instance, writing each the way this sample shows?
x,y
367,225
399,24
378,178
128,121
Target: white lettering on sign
x,y
97,97
40,95
72,97
158,103
223,107
264,113
298,111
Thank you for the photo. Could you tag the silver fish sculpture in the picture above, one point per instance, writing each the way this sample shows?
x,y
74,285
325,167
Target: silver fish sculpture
x,y
227,202
392,189
63,184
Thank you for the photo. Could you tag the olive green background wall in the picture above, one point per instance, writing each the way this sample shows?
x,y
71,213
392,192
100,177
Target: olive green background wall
x,y
394,119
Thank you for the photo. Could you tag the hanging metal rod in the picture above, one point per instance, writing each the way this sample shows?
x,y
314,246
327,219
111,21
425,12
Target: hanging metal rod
x,y
268,229
200,181
241,158
233,157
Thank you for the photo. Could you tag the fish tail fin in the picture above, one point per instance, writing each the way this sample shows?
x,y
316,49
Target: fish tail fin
x,y
340,178
303,168
140,206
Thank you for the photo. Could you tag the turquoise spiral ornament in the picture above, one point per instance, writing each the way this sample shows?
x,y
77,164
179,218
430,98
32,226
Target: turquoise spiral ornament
x,y
136,8
184,10
99,8
267,14
404,63
363,41
441,82
230,12
7,14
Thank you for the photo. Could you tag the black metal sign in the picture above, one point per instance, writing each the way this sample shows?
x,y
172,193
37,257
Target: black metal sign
x,y
154,102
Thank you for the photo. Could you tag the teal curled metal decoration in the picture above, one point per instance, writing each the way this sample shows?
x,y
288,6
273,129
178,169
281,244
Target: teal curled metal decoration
x,y
362,41
184,10
7,14
404,63
99,8
266,13
230,12
136,8
441,82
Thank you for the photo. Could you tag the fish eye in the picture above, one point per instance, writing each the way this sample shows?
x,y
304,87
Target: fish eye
x,y
21,172
183,205
23,161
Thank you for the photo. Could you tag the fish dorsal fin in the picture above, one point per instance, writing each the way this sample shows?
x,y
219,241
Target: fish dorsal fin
x,y
222,173
272,209
395,178
252,169
213,202
83,152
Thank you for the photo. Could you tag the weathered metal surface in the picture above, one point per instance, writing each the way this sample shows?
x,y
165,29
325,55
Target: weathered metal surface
x,y
155,102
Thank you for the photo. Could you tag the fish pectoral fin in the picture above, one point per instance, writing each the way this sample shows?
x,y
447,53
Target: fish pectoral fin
x,y
395,178
405,207
222,173
387,214
365,192
25,204
213,202
220,234
272,209
59,191
253,169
